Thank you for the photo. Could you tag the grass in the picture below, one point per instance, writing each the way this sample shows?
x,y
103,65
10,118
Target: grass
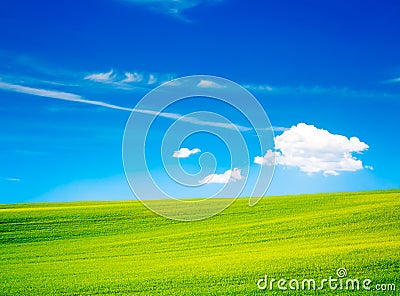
x,y
116,248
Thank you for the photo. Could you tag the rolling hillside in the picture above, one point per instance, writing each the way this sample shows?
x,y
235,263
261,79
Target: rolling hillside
x,y
91,248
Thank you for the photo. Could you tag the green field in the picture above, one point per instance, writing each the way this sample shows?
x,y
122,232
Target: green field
x,y
116,248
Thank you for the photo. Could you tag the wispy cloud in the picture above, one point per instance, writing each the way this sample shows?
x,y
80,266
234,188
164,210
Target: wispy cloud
x,y
53,94
132,77
274,128
194,120
39,74
128,80
343,92
171,7
11,179
209,84
39,92
259,87
393,80
152,79
102,77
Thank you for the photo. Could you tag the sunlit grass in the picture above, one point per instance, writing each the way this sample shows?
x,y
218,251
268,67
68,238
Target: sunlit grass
x,y
88,248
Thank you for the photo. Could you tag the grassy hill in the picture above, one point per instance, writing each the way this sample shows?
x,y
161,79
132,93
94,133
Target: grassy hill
x,y
88,248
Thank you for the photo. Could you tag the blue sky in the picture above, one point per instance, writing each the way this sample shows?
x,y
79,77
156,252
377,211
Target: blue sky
x,y
71,71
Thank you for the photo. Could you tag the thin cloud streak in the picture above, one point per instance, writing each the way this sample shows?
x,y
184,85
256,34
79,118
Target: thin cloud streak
x,y
320,90
11,179
274,128
171,7
56,95
394,80
79,99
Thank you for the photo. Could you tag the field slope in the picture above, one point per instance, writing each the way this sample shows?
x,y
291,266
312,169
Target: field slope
x,y
91,248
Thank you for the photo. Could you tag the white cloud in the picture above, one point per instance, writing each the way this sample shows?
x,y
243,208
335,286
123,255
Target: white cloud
x,y
209,84
11,179
279,128
317,90
230,126
133,77
79,99
314,150
54,94
267,159
273,128
185,152
228,176
394,80
171,7
101,77
39,92
193,120
123,80
173,83
152,79
260,87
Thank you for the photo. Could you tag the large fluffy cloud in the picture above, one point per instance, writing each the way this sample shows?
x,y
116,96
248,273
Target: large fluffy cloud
x,y
314,150
228,176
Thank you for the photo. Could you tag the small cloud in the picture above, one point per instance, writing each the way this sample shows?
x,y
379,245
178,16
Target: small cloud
x,y
185,152
152,79
101,77
209,84
318,90
123,80
394,80
133,77
173,83
171,7
315,150
12,179
260,87
228,176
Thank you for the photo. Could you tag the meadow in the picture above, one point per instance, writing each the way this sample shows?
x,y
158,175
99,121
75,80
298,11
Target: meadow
x,y
120,247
